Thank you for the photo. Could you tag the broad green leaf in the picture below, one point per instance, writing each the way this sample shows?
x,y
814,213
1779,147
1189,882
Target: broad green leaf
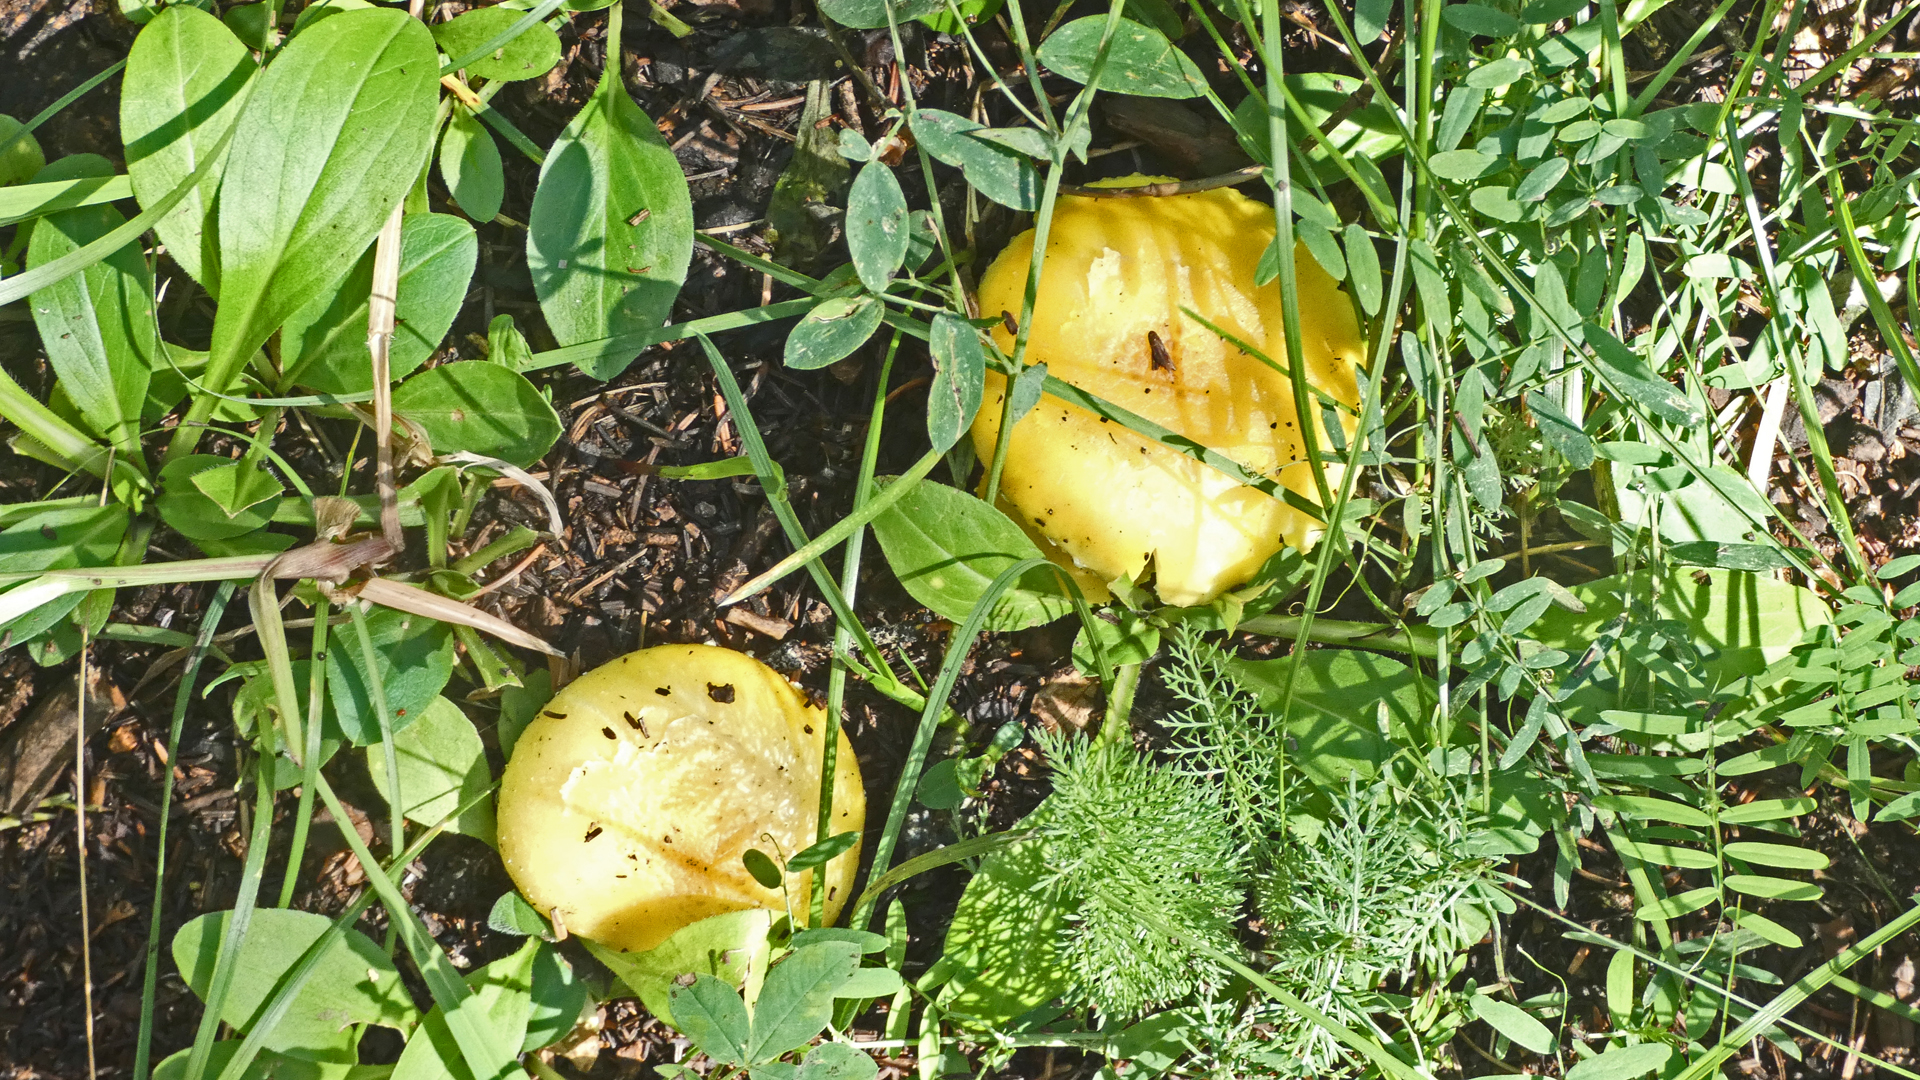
x,y
502,1000
266,1065
796,1001
191,511
876,225
1337,709
512,914
872,14
335,133
558,997
180,93
995,171
832,330
22,156
414,658
1005,940
354,983
959,379
1479,19
1541,181
1515,1023
946,547
441,765
97,325
529,55
1139,60
482,408
837,1061
1784,856
1745,620
866,941
611,230
711,1014
731,947
324,345
1621,1062
470,165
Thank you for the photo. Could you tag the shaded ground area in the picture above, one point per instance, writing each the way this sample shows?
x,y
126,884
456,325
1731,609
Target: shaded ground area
x,y
643,560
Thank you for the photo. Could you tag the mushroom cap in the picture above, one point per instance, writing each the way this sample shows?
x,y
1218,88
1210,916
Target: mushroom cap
x,y
1113,501
629,801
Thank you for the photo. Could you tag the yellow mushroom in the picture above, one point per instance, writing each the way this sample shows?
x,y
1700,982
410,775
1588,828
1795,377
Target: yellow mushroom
x,y
629,801
1108,319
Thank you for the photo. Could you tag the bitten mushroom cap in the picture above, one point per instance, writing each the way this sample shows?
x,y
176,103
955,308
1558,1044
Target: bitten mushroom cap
x,y
629,800
1116,271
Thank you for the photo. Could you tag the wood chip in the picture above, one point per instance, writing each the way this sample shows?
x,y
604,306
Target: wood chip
x,y
765,625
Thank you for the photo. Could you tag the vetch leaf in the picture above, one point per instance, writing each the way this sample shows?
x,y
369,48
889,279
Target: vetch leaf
x,y
1480,19
1773,888
822,853
482,408
832,330
1515,1023
180,93
1621,1062
1628,374
947,546
336,132
441,765
611,230
1560,431
1001,174
1140,60
324,344
876,225
959,379
470,164
1784,856
761,866
529,55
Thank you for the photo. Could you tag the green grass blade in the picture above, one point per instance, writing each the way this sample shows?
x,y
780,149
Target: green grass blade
x,y
149,978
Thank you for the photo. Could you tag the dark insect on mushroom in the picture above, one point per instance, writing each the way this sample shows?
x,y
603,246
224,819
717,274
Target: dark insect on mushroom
x,y
1162,359
1006,320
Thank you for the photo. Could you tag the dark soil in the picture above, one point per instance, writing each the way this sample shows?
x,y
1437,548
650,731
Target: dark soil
x,y
643,560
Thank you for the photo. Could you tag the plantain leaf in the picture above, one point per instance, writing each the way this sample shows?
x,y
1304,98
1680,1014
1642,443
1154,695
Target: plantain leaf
x,y
611,231
324,344
528,55
97,325
180,93
333,137
470,166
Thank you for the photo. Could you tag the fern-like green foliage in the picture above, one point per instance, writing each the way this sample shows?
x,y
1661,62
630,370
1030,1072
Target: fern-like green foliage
x,y
1150,865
